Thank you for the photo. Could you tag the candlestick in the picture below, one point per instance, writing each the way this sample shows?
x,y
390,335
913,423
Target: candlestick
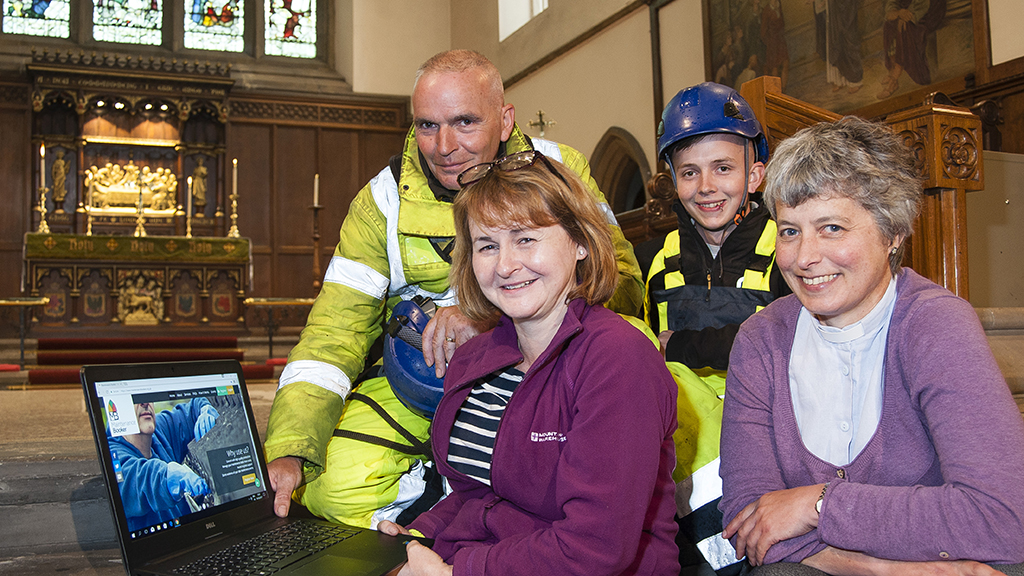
x,y
188,210
233,230
316,190
44,228
140,219
316,247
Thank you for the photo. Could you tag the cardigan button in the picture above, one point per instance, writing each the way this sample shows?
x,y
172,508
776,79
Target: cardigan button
x,y
943,554
841,473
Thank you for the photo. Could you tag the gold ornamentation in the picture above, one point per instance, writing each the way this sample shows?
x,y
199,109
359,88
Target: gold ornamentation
x,y
44,228
49,243
112,245
171,245
139,299
199,185
115,188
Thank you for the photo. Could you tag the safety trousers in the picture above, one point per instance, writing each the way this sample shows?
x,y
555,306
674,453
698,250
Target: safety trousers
x,y
365,482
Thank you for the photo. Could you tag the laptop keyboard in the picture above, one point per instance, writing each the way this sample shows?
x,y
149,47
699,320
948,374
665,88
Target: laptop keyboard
x,y
269,552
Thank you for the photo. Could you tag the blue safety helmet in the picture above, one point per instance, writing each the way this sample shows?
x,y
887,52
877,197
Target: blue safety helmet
x,y
415,384
709,108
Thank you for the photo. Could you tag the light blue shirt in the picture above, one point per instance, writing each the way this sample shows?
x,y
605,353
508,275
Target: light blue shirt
x,y
836,381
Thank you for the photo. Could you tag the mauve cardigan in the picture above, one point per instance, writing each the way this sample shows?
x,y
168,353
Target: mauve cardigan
x,y
943,476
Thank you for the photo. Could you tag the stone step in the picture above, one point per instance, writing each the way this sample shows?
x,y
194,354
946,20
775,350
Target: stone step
x,y
1004,328
86,562
53,506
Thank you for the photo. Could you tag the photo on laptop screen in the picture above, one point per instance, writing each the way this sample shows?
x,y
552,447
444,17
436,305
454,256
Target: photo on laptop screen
x,y
181,448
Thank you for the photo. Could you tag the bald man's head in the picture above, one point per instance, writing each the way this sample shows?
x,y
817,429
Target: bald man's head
x,y
460,61
459,113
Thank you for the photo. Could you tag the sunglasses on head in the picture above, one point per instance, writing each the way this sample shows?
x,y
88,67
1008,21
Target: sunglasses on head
x,y
512,162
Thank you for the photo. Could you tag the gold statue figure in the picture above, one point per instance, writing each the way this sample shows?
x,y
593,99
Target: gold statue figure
x,y
59,172
116,188
199,185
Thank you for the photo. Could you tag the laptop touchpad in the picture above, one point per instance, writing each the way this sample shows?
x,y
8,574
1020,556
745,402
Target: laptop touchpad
x,y
329,564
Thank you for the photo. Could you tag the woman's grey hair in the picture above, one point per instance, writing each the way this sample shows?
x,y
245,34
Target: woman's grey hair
x,y
852,158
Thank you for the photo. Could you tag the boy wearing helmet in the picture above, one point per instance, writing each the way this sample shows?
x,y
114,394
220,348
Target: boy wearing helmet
x,y
703,280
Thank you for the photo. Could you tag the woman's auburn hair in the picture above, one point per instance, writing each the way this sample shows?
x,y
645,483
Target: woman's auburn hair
x,y
533,197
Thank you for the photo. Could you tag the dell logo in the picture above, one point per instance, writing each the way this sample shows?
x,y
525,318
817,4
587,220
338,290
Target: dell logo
x,y
211,525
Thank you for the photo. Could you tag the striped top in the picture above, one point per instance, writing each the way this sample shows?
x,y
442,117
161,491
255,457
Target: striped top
x,y
476,425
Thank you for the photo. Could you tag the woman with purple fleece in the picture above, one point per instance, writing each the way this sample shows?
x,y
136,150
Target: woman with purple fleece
x,y
867,428
555,429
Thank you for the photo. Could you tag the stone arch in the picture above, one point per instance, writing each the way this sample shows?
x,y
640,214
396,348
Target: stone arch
x,y
619,165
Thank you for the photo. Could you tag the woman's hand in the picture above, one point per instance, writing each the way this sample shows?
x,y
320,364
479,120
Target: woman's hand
x,y
844,562
424,562
772,518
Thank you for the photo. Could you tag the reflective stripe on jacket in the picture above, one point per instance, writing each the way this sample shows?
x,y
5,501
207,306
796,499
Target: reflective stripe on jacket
x,y
666,263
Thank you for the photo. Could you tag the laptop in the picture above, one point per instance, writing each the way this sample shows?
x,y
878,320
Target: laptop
x,y
187,480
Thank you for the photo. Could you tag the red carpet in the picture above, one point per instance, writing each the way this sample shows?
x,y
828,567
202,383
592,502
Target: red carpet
x,y
70,375
137,343
68,357
60,359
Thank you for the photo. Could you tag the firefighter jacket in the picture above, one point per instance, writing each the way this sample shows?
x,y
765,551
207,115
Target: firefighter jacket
x,y
391,248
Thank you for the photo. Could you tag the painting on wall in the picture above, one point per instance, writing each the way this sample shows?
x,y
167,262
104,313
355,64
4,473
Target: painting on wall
x,y
840,54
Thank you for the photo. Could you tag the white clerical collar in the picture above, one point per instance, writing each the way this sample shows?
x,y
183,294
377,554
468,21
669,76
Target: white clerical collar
x,y
869,324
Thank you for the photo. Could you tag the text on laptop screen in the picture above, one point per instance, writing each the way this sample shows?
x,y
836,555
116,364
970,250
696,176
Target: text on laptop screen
x,y
180,448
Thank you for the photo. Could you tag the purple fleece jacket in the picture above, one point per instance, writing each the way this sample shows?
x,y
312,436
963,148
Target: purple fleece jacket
x,y
582,468
943,476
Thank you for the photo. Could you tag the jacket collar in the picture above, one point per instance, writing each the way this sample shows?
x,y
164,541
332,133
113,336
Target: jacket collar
x,y
740,239
424,209
503,346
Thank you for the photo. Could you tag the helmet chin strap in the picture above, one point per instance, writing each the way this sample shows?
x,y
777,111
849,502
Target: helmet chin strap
x,y
745,204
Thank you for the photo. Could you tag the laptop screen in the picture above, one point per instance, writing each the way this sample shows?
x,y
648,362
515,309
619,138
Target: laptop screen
x,y
181,447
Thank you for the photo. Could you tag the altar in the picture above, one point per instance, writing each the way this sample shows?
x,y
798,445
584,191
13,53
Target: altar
x,y
163,282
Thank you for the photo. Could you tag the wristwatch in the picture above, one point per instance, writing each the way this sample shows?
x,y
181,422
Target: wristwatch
x,y
821,498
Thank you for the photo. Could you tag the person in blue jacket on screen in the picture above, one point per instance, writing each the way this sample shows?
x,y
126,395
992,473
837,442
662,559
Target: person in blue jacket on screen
x,y
154,480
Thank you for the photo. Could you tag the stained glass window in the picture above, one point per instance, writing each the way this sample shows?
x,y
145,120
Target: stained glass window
x,y
219,26
37,17
128,21
291,28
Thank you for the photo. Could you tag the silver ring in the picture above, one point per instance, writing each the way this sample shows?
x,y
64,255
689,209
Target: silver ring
x,y
449,339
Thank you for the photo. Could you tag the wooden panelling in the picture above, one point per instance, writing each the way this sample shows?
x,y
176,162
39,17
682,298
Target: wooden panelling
x,y
340,179
375,150
250,143
261,275
292,194
15,179
295,273
281,145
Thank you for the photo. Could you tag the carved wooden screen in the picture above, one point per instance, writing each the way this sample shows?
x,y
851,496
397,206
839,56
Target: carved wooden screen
x,y
946,141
